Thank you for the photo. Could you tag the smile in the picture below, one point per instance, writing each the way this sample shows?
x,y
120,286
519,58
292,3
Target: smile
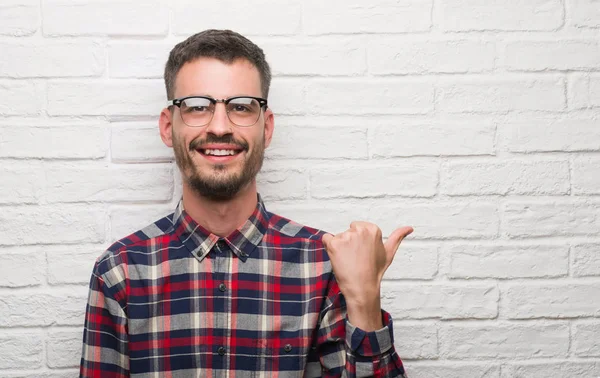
x,y
219,152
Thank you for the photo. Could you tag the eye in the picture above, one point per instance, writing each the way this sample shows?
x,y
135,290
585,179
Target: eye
x,y
198,109
240,108
196,105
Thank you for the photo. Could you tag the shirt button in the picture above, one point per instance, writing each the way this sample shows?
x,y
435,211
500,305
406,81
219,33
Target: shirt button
x,y
222,287
222,244
243,254
287,348
221,351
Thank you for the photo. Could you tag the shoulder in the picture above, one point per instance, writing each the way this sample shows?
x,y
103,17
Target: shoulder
x,y
292,229
112,263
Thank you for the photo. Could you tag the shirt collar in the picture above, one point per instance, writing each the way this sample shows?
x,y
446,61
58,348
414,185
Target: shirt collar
x,y
242,241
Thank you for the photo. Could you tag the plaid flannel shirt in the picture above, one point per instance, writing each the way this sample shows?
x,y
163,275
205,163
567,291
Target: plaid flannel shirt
x,y
174,300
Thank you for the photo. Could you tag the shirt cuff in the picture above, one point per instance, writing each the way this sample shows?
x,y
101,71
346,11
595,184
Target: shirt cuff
x,y
372,343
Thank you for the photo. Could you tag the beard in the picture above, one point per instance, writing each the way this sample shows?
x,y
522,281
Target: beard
x,y
216,183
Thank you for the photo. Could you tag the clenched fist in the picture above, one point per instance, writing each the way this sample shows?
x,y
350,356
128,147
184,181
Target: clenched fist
x,y
359,259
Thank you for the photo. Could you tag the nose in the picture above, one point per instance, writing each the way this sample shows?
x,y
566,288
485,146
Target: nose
x,y
220,123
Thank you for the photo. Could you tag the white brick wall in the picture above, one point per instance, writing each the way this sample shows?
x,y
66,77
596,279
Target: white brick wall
x,y
475,121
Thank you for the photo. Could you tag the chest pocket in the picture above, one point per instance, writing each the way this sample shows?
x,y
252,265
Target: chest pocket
x,y
287,356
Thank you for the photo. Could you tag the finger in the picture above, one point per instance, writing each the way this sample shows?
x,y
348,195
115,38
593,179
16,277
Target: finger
x,y
394,240
357,224
326,239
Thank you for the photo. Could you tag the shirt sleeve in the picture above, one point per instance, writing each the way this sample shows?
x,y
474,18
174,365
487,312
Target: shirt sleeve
x,y
105,342
348,351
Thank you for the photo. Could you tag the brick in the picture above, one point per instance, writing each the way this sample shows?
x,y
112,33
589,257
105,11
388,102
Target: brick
x,y
22,266
381,16
63,347
545,369
54,142
452,369
21,183
568,135
308,142
112,183
282,185
431,221
68,373
287,96
504,177
401,179
584,91
551,300
479,15
321,59
400,56
413,262
435,139
98,17
72,264
21,350
22,225
507,261
585,339
118,97
19,17
562,55
506,94
586,260
60,59
556,218
438,220
134,142
63,373
424,301
26,98
247,20
141,59
373,96
584,13
125,220
59,307
416,340
503,341
585,175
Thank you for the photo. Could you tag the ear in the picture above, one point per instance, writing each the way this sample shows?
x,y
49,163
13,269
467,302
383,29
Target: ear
x,y
269,126
165,125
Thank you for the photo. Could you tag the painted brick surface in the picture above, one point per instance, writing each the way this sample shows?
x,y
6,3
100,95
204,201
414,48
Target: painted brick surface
x,y
474,121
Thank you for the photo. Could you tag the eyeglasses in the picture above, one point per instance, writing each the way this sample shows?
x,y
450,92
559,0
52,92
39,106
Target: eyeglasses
x,y
198,111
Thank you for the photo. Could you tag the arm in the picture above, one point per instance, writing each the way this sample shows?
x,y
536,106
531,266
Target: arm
x,y
105,353
348,351
359,258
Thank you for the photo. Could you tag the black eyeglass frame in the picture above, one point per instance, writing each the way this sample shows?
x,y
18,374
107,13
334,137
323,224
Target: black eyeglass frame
x,y
178,101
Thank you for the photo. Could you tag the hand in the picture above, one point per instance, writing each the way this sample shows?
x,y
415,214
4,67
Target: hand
x,y
359,259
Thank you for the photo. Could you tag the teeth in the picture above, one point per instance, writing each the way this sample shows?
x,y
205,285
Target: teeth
x,y
219,152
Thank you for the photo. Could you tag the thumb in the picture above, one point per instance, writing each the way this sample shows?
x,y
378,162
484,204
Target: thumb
x,y
395,238
326,239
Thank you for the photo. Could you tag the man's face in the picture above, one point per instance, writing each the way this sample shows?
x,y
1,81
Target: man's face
x,y
218,178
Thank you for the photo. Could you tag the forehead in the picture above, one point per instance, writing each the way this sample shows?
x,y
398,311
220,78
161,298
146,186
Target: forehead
x,y
213,77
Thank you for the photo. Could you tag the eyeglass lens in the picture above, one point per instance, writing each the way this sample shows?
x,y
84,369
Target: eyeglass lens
x,y
198,111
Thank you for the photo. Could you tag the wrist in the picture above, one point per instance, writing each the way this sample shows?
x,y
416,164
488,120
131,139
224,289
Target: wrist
x,y
365,313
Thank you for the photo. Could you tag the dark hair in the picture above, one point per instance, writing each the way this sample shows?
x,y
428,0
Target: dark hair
x,y
224,45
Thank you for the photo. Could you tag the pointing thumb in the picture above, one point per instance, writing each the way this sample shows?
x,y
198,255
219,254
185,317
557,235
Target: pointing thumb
x,y
395,238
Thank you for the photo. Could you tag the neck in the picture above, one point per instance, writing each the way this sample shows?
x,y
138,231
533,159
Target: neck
x,y
220,218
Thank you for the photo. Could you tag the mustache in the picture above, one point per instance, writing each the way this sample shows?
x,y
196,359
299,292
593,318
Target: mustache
x,y
198,143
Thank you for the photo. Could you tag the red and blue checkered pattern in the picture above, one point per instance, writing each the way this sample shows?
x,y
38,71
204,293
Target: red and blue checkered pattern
x,y
174,300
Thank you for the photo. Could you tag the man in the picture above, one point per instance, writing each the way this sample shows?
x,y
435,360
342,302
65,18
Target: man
x,y
222,287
